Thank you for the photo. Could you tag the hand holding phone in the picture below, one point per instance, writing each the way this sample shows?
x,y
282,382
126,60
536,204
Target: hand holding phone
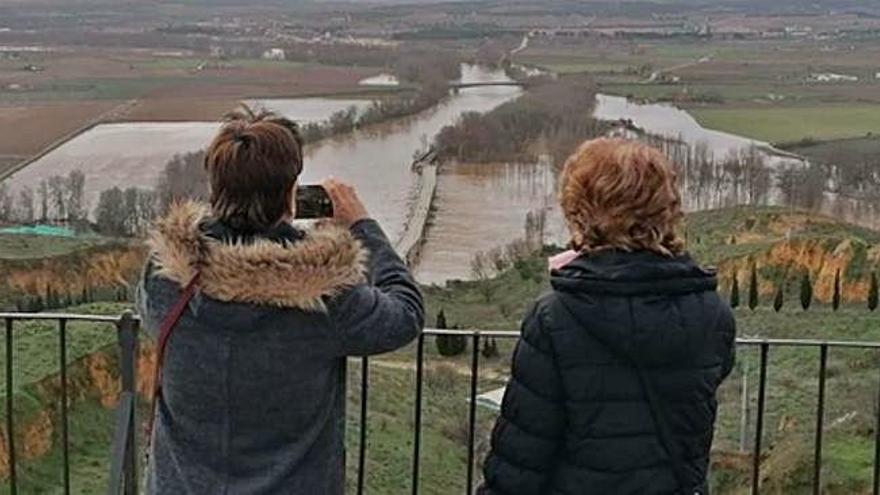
x,y
347,207
313,202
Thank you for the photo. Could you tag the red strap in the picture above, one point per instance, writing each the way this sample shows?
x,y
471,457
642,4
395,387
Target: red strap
x,y
168,324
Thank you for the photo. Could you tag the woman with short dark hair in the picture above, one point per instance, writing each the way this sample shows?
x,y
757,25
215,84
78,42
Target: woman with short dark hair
x,y
256,318
615,375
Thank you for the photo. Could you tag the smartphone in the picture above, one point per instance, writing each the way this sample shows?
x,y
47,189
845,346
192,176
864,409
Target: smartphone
x,y
313,202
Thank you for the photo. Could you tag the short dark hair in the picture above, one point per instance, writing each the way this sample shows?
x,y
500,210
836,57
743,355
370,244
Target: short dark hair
x,y
253,164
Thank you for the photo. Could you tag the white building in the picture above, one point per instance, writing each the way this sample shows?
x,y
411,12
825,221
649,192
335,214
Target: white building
x,y
274,54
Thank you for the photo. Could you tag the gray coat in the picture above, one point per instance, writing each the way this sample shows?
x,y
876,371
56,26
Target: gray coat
x,y
253,383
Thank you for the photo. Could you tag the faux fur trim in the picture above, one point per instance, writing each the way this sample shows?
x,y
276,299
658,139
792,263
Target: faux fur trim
x,y
297,276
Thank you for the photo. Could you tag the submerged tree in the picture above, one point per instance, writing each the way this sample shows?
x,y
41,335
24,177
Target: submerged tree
x,y
873,292
806,291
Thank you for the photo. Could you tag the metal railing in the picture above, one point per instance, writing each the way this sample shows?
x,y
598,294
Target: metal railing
x,y
123,476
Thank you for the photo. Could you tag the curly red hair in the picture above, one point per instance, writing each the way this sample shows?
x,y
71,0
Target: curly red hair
x,y
619,194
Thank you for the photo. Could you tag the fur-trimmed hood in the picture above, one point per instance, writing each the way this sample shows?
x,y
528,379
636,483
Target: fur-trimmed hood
x,y
300,275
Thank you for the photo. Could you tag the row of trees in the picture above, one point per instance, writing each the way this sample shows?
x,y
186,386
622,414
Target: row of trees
x,y
805,293
52,299
431,73
552,118
746,177
456,345
58,198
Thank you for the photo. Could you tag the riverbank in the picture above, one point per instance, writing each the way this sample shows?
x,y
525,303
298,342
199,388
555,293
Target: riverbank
x,y
409,245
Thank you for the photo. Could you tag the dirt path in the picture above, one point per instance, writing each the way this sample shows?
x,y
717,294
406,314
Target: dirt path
x,y
656,74
459,368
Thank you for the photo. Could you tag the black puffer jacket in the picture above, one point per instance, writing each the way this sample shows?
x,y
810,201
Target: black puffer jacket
x,y
575,417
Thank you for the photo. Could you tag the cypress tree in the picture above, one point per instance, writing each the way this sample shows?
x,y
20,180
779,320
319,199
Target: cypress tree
x,y
835,299
779,300
753,289
441,320
806,291
872,292
734,291
449,345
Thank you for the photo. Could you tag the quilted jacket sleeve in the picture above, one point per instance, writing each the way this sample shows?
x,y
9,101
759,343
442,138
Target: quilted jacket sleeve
x,y
529,434
388,311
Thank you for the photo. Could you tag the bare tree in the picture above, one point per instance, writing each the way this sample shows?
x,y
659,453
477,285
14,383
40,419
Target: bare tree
x,y
57,189
6,203
44,200
76,185
25,213
146,206
184,177
109,212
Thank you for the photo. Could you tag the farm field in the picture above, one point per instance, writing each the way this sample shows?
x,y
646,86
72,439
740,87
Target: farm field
x,y
34,247
790,124
67,91
762,89
853,151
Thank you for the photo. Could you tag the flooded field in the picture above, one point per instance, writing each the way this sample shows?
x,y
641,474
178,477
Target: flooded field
x,y
376,160
133,154
671,122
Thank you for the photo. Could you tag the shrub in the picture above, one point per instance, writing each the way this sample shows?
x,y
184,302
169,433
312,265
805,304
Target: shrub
x,y
490,348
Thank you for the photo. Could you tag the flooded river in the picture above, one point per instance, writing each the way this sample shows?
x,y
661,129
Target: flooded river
x,y
477,208
671,122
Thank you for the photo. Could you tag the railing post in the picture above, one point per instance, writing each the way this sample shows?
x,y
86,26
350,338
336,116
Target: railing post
x,y
472,413
820,419
417,423
128,341
877,445
759,422
65,437
362,446
10,424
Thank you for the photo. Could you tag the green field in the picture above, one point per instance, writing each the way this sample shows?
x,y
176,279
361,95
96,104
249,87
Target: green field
x,y
840,151
499,304
24,247
789,124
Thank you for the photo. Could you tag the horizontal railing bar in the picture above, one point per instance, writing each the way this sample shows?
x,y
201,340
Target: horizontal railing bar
x,y
809,343
740,341
60,316
503,334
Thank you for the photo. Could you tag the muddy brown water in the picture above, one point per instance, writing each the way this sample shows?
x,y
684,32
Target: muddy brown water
x,y
377,161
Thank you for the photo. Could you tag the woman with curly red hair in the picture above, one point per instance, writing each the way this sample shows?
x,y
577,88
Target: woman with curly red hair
x,y
615,375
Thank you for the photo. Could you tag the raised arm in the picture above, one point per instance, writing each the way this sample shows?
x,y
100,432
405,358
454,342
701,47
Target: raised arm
x,y
388,311
530,432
